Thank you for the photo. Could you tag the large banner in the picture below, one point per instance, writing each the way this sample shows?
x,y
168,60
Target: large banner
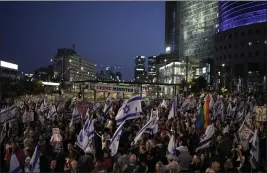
x,y
110,88
261,113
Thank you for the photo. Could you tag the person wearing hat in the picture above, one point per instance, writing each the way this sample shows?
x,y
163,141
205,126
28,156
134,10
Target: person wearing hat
x,y
86,162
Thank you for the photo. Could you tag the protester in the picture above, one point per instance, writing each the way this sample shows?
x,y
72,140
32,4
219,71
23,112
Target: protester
x,y
206,133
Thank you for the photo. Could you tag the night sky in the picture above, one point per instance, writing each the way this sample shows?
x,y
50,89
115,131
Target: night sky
x,y
108,33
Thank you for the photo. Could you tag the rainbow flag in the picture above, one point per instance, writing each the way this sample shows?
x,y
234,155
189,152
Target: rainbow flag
x,y
203,118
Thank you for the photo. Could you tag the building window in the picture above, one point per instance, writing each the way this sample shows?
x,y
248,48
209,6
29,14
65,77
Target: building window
x,y
242,33
220,58
236,34
235,45
250,43
249,32
257,53
230,36
220,47
230,45
242,44
224,47
249,54
225,57
230,56
242,54
258,31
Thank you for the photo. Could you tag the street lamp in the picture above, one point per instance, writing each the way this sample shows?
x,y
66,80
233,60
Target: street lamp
x,y
223,65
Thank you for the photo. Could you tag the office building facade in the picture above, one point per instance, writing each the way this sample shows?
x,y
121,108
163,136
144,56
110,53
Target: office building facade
x,y
198,25
8,76
71,67
172,26
140,68
240,46
151,70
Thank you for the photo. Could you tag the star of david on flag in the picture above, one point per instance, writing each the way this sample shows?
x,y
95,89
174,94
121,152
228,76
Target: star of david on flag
x,y
130,110
126,109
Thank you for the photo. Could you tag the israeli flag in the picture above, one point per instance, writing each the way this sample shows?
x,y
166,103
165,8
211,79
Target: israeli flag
x,y
34,165
149,124
8,115
44,105
173,111
254,151
96,106
14,166
205,141
115,140
108,105
86,134
172,146
154,127
130,110
52,112
75,117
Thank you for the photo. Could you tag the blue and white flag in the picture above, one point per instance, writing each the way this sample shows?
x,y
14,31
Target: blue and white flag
x,y
254,151
115,140
86,134
108,105
44,105
154,127
149,124
173,111
96,106
34,165
75,117
205,141
14,166
9,114
130,110
172,146
52,112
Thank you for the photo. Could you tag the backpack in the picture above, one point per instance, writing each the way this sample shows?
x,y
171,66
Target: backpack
x,y
131,168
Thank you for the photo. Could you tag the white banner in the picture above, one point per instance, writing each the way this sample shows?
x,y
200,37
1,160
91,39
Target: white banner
x,y
110,88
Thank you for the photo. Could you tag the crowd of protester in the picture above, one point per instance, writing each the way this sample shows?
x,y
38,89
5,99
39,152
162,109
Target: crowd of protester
x,y
148,155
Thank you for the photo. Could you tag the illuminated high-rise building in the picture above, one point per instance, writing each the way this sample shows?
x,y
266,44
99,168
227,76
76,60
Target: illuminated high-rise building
x,y
198,25
151,71
172,26
240,45
140,68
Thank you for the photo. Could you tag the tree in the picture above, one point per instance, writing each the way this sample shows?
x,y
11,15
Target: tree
x,y
198,84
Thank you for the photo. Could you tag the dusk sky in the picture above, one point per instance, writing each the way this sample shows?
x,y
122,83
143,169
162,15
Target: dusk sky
x,y
108,33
